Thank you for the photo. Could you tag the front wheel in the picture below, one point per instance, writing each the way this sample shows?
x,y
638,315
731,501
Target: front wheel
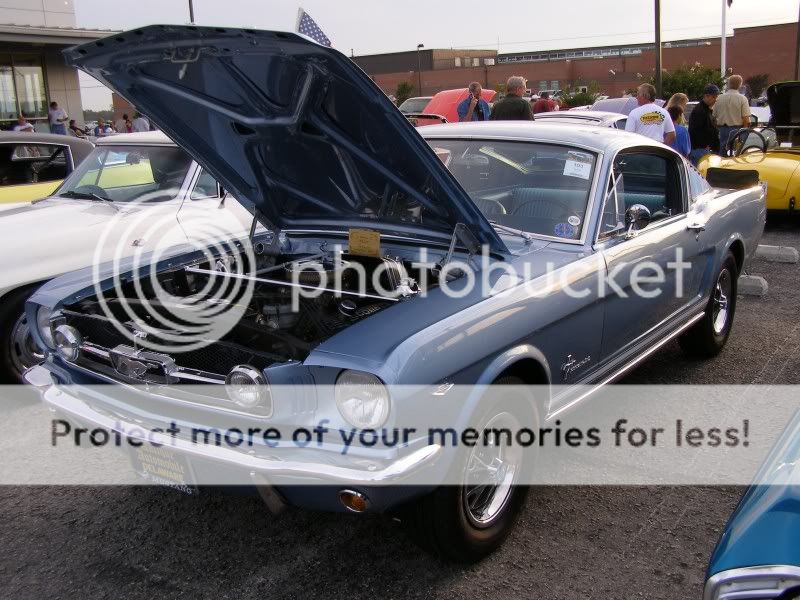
x,y
18,351
467,522
708,336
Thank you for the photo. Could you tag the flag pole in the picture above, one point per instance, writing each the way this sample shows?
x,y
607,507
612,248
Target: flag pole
x,y
722,40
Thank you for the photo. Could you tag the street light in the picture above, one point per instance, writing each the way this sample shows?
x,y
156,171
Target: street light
x,y
419,69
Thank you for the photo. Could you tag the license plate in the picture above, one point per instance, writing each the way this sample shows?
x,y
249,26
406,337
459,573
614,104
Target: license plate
x,y
162,466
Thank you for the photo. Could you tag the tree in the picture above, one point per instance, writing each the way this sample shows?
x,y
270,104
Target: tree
x,y
403,92
757,84
573,97
688,79
93,115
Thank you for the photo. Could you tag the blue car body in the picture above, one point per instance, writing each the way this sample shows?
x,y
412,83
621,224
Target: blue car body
x,y
228,96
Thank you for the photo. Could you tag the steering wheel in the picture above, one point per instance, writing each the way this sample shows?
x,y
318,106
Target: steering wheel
x,y
736,144
90,189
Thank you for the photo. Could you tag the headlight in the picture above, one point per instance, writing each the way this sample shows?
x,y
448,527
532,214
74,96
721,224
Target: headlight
x,y
247,387
43,324
68,342
362,399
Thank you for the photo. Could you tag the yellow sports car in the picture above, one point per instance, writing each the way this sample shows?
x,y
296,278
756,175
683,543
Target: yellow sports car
x,y
33,165
773,151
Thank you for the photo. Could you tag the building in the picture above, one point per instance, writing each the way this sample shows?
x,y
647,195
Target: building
x,y
32,70
750,51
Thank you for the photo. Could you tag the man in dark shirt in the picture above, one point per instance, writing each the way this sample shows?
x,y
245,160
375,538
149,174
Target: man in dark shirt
x,y
513,107
703,132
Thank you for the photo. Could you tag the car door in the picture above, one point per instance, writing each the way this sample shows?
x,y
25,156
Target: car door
x,y
654,274
208,212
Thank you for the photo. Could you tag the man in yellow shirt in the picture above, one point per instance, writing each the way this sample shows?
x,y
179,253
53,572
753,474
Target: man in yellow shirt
x,y
731,112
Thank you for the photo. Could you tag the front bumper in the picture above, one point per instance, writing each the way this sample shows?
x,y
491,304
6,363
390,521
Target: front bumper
x,y
298,468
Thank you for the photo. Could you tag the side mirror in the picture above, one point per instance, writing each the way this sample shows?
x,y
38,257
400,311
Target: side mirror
x,y
637,217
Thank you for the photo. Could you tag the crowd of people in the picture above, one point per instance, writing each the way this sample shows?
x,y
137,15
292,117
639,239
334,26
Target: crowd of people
x,y
61,124
711,125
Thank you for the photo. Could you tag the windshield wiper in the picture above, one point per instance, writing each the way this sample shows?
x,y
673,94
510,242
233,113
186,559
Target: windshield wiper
x,y
523,234
88,196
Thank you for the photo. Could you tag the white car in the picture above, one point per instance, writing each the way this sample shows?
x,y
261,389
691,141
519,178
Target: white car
x,y
134,193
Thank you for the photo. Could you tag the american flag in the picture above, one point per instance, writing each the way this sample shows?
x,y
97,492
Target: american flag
x,y
307,26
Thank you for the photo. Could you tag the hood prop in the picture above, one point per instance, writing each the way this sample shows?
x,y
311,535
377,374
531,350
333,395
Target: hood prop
x,y
461,233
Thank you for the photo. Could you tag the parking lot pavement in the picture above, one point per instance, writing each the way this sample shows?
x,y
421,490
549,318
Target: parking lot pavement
x,y
571,542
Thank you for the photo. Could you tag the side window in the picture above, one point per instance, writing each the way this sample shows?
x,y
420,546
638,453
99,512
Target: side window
x,y
34,163
621,124
205,187
697,185
652,179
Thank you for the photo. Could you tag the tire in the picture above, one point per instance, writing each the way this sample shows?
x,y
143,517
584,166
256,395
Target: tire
x,y
708,336
17,348
443,522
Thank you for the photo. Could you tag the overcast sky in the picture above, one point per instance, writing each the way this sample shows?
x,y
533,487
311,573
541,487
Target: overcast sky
x,y
371,26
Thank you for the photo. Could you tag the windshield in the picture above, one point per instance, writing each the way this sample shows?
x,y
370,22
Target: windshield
x,y
538,188
414,105
129,173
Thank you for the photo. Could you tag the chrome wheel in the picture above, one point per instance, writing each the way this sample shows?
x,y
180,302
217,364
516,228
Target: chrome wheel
x,y
490,473
720,303
23,351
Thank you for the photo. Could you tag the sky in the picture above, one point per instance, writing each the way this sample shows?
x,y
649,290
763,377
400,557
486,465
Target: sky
x,y
373,26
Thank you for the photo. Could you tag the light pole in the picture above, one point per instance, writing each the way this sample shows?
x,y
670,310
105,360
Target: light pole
x,y
419,69
191,12
658,48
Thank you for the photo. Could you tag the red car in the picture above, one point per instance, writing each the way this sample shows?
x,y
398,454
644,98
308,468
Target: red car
x,y
443,107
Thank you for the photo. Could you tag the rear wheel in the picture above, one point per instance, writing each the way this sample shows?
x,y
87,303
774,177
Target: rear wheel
x,y
709,335
466,522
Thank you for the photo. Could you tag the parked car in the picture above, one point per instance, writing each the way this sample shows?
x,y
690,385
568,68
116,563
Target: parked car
x,y
529,195
444,106
585,117
773,151
620,105
757,555
32,165
60,233
414,105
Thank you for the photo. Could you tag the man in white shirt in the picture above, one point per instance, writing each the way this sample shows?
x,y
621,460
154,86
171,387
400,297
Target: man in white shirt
x,y
649,119
58,119
140,123
23,125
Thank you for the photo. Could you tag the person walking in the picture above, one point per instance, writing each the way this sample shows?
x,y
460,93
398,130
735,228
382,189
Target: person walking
x,y
140,123
513,107
544,104
58,119
649,119
473,107
681,141
731,112
703,132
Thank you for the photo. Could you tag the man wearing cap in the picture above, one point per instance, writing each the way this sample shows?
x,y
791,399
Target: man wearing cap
x,y
702,130
731,111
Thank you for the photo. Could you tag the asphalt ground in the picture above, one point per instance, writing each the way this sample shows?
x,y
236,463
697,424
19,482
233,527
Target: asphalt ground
x,y
570,542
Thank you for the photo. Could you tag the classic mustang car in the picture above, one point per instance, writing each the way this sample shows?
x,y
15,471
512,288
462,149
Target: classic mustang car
x,y
597,118
773,151
122,177
757,555
32,165
323,158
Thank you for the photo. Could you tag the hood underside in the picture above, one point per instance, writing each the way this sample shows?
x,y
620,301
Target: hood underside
x,y
293,128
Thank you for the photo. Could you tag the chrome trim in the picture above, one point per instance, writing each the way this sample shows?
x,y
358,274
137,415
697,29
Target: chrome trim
x,y
392,472
628,365
70,351
287,284
782,577
355,494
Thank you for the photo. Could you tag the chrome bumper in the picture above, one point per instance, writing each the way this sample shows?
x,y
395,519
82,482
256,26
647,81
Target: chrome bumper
x,y
376,473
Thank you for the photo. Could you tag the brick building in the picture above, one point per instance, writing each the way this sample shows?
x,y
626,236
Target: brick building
x,y
750,50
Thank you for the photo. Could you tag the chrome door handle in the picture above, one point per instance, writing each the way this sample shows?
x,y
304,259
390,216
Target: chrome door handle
x,y
696,227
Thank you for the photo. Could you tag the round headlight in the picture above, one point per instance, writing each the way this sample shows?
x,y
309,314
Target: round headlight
x,y
362,399
43,325
246,386
68,342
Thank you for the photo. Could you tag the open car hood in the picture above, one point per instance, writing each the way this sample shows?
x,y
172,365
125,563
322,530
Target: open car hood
x,y
784,103
293,128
